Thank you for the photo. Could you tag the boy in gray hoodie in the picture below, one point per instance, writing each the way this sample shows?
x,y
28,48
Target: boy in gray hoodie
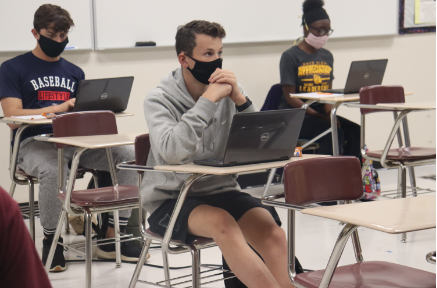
x,y
189,116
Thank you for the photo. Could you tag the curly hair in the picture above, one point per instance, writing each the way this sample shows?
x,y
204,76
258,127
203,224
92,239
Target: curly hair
x,y
53,17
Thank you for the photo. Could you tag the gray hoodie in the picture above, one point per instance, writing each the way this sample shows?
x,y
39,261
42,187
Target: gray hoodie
x,y
181,131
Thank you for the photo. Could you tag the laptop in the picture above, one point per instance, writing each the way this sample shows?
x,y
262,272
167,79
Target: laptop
x,y
260,137
362,74
103,94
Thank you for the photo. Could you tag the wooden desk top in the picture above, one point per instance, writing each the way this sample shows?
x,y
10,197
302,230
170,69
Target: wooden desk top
x,y
390,216
334,99
200,169
413,105
94,142
15,120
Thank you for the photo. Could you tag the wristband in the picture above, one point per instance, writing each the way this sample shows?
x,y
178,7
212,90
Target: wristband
x,y
244,106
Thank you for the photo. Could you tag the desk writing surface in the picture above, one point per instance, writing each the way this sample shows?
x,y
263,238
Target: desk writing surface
x,y
94,142
200,169
14,120
344,98
390,216
413,105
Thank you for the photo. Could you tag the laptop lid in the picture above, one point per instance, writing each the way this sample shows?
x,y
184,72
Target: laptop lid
x,y
365,73
103,94
263,136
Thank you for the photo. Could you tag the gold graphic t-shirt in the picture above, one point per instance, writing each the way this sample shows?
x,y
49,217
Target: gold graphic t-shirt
x,y
313,76
308,72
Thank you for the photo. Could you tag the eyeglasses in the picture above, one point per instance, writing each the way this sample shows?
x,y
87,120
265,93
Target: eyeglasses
x,y
323,32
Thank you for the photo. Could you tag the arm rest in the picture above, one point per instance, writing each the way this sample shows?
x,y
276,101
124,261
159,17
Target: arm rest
x,y
130,165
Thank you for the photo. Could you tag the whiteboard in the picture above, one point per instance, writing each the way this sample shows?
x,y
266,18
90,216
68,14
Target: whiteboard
x,y
16,21
119,24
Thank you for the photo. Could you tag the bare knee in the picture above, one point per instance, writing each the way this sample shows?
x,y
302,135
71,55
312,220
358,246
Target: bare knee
x,y
274,238
223,225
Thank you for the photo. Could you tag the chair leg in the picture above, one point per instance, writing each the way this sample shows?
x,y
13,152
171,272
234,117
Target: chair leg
x,y
67,225
140,264
88,247
195,266
117,240
12,189
55,240
412,180
404,194
31,208
166,267
399,190
200,262
336,254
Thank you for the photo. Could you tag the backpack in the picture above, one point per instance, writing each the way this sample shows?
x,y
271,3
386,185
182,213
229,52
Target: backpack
x,y
371,183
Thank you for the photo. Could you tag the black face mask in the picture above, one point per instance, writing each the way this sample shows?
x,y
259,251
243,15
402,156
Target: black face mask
x,y
51,47
203,70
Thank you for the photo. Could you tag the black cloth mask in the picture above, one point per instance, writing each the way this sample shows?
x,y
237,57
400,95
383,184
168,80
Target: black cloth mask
x,y
51,47
203,70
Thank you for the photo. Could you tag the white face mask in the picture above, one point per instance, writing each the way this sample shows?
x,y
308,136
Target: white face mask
x,y
316,42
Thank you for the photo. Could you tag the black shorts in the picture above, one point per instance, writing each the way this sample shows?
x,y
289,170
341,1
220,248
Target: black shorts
x,y
235,203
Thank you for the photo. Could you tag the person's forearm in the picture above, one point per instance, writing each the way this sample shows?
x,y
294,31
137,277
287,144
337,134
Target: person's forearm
x,y
24,112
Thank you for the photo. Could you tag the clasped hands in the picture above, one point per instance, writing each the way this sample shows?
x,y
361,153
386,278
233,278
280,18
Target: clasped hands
x,y
223,83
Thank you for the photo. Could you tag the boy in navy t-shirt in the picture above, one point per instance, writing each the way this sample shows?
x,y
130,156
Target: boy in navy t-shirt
x,y
41,81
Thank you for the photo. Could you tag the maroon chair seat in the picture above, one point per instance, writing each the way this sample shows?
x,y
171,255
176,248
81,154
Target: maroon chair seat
x,y
406,154
371,274
198,241
105,196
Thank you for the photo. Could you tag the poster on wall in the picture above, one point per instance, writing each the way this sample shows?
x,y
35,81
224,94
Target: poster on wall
x,y
417,16
424,12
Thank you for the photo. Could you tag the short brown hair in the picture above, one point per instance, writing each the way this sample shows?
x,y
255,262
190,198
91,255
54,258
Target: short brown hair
x,y
186,35
49,14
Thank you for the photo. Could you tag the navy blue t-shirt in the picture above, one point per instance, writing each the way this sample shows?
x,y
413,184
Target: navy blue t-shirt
x,y
39,84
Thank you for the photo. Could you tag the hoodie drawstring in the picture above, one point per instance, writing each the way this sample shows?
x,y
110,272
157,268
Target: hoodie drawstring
x,y
213,132
213,135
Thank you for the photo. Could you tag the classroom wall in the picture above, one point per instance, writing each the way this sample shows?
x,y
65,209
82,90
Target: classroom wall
x,y
412,63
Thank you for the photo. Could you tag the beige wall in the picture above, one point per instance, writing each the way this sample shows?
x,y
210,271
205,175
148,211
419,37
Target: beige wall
x,y
412,63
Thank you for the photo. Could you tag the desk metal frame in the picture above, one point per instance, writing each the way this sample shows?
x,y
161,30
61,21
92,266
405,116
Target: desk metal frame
x,y
347,231
28,180
399,119
166,242
87,212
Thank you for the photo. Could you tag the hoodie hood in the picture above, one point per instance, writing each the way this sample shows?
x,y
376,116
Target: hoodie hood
x,y
174,84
